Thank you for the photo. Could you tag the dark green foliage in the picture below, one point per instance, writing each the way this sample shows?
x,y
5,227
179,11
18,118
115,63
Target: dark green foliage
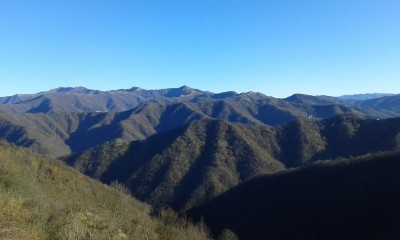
x,y
187,166
349,199
305,141
95,162
301,141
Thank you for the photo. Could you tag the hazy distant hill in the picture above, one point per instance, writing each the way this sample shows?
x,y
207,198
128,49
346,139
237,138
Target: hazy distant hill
x,y
389,104
87,100
370,105
353,199
189,165
367,96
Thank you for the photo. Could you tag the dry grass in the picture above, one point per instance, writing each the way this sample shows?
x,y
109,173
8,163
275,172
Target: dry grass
x,y
41,198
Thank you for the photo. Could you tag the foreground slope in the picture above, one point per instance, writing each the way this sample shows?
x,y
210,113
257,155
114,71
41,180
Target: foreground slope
x,y
353,199
41,198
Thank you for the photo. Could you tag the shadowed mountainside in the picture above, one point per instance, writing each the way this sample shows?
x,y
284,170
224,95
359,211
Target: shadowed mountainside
x,y
352,199
184,166
192,164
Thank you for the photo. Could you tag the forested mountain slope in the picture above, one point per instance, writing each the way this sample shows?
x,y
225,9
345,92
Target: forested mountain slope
x,y
184,166
192,164
62,133
349,199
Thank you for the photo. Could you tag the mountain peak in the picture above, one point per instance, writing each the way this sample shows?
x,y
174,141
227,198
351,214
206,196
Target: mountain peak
x,y
76,90
186,90
136,89
182,91
184,87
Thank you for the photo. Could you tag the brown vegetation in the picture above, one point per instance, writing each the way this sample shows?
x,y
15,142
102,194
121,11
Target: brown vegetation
x,y
41,198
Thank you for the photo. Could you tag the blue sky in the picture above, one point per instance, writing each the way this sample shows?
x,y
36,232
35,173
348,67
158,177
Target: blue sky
x,y
277,47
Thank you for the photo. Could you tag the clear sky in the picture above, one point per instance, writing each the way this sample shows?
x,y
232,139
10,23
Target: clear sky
x,y
277,47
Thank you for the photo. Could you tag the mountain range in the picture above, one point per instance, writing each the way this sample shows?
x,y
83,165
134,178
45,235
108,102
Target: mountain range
x,y
190,150
80,99
187,166
70,120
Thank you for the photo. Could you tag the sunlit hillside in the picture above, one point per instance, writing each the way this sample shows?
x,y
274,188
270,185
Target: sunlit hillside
x,y
41,198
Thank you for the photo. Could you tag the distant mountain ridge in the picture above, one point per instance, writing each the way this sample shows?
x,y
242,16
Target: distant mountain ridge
x,y
366,96
80,99
69,120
